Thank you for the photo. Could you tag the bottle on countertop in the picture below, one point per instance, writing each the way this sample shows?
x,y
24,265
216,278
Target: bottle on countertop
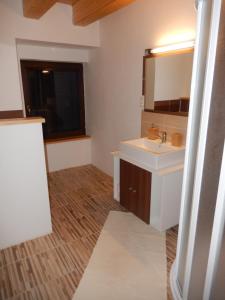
x,y
153,132
177,139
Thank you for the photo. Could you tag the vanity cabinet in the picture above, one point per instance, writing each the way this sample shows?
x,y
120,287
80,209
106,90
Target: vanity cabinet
x,y
135,190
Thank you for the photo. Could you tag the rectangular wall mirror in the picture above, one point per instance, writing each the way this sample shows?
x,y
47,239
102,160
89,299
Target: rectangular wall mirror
x,y
167,82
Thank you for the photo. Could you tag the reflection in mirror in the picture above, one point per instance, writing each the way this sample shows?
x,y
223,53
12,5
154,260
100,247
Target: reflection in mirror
x,y
167,82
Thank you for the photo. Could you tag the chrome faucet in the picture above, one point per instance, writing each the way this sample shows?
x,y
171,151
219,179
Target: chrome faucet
x,y
163,137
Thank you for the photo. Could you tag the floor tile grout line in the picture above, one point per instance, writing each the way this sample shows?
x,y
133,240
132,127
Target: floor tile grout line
x,y
44,284
45,251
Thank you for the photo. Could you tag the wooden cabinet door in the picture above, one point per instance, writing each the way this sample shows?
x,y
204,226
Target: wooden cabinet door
x,y
135,190
127,174
143,190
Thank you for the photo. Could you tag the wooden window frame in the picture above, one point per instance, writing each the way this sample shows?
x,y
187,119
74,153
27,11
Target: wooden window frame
x,y
59,66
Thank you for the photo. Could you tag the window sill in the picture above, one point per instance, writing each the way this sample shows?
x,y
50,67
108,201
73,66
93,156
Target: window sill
x,y
66,139
17,121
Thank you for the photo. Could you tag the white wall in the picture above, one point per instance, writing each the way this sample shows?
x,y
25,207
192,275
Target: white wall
x,y
114,83
54,27
51,52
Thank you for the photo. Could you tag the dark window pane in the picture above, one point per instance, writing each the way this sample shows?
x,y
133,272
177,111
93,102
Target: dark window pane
x,y
55,93
67,100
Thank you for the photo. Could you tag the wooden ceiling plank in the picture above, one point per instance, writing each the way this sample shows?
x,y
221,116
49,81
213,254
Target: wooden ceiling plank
x,y
88,11
36,8
70,2
84,11
84,8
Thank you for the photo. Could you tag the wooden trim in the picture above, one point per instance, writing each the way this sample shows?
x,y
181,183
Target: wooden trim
x,y
89,11
67,139
19,121
181,114
143,76
176,105
8,114
179,107
173,105
36,9
69,2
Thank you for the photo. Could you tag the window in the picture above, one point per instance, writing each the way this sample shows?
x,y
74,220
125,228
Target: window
x,y
55,91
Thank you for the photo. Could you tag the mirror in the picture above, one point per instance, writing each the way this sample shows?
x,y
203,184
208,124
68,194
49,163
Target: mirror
x,y
167,82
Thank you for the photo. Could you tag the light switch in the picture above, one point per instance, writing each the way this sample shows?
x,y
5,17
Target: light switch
x,y
142,101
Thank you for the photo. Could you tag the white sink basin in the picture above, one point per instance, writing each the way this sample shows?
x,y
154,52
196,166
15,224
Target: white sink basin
x,y
153,153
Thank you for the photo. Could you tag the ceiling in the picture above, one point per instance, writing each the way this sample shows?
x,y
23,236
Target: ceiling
x,y
84,11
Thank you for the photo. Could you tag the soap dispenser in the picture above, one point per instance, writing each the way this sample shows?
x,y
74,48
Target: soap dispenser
x,y
153,132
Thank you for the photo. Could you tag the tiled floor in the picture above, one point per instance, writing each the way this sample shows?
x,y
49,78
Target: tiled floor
x,y
51,267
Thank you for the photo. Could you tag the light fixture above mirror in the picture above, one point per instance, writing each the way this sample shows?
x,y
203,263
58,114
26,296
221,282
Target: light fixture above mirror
x,y
173,47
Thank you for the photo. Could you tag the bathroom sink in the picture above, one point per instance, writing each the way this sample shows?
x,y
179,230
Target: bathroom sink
x,y
153,153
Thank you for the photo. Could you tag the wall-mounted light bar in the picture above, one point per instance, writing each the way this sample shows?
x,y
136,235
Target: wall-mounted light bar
x,y
174,47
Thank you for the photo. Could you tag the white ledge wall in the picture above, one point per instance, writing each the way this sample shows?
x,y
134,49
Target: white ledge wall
x,y
114,83
54,27
68,154
24,200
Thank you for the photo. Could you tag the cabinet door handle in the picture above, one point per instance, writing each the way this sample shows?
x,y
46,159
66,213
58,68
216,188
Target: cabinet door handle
x,y
134,191
130,188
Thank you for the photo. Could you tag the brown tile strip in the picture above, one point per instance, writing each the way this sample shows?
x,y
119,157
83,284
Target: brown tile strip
x,y
171,244
176,105
11,114
51,267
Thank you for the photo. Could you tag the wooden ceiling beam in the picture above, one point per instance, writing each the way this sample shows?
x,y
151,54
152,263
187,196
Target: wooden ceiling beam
x,y
70,2
35,9
88,11
84,11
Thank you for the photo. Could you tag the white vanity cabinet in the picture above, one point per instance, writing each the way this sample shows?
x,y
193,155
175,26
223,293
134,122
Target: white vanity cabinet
x,y
166,198
165,194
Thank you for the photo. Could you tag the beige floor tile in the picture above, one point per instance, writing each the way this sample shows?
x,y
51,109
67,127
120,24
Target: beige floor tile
x,y
125,264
